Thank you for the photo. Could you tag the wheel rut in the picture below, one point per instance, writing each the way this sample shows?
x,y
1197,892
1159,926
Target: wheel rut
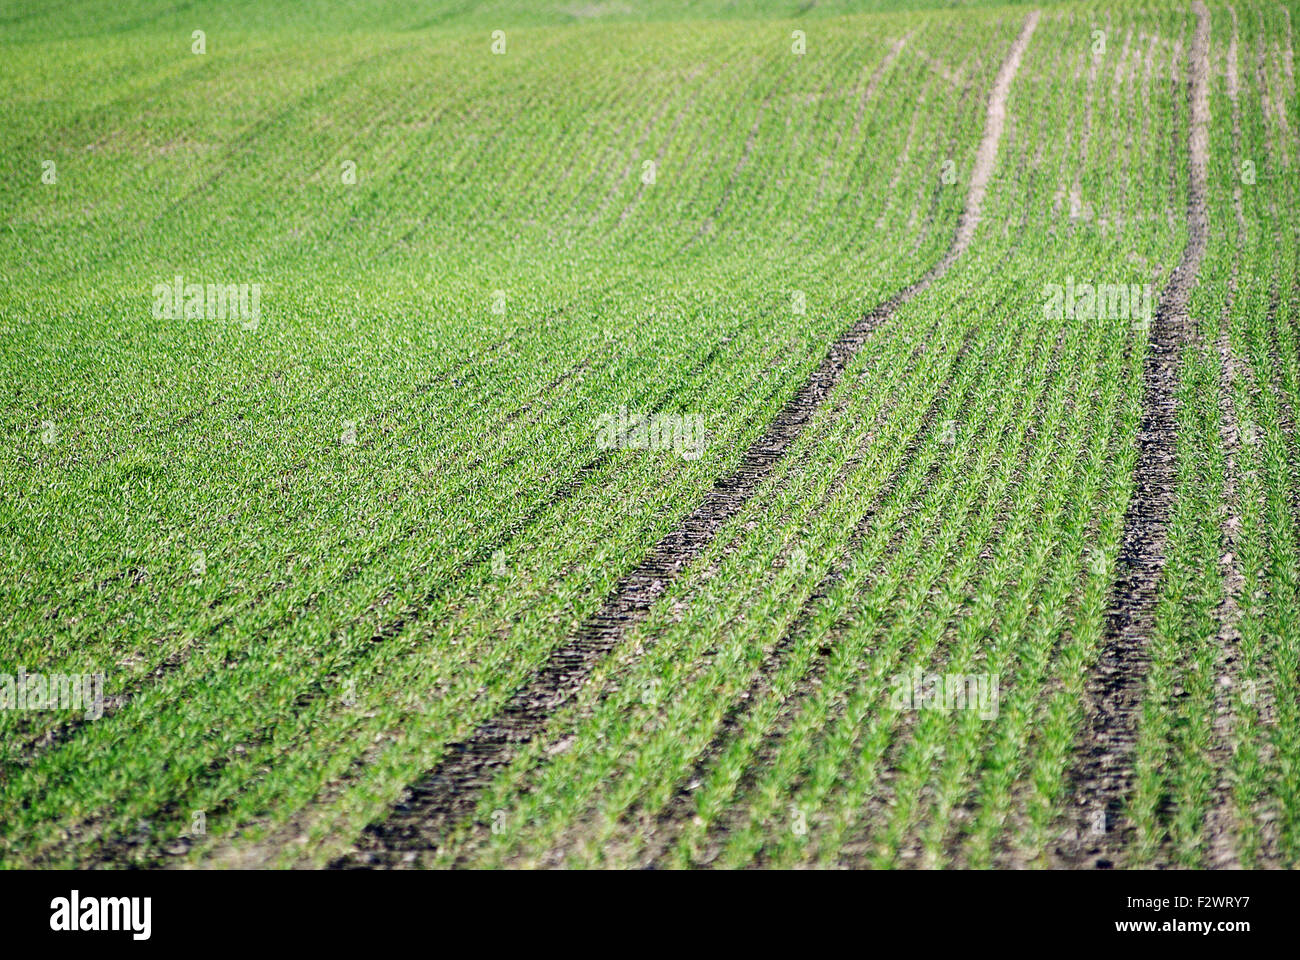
x,y
1102,778
451,791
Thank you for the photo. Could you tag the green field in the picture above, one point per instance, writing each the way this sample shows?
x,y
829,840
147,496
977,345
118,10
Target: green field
x,y
375,567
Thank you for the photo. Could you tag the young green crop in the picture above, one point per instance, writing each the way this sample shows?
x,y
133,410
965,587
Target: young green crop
x,y
313,553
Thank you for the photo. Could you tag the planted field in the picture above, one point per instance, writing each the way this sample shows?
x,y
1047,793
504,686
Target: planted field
x,y
649,436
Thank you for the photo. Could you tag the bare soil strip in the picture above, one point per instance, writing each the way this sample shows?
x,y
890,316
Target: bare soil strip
x,y
452,790
1103,775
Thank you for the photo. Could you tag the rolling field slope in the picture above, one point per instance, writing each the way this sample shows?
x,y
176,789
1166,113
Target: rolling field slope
x,y
650,435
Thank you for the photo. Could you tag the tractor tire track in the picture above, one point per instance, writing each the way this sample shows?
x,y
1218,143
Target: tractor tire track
x,y
451,791
1102,778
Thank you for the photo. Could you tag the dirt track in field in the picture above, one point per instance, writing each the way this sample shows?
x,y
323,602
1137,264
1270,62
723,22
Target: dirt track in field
x,y
451,791
1102,778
